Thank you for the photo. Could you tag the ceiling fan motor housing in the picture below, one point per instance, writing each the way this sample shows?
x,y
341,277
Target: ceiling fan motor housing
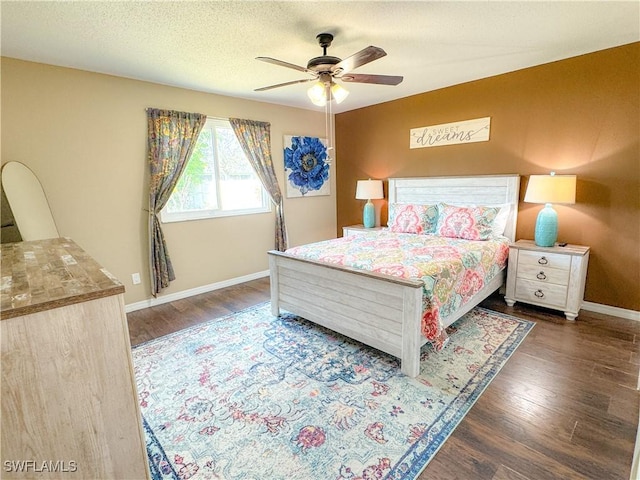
x,y
324,63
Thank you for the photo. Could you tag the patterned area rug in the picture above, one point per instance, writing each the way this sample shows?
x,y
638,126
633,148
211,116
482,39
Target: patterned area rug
x,y
252,396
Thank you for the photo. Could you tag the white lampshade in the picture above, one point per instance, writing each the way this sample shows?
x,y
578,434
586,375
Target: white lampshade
x,y
551,189
369,189
338,92
317,93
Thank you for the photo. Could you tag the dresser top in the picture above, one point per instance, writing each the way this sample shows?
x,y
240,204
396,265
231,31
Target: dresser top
x,y
45,274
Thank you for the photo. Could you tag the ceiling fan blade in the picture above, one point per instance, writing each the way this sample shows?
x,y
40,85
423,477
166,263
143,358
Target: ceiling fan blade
x,y
366,78
281,63
284,84
360,58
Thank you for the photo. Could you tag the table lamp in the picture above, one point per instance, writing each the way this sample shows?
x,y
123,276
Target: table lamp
x,y
549,189
369,190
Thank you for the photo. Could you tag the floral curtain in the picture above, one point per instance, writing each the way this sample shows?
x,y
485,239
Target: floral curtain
x,y
255,138
171,139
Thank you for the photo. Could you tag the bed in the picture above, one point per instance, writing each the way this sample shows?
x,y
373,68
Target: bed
x,y
381,310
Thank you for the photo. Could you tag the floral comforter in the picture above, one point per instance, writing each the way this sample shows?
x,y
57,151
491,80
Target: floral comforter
x,y
453,270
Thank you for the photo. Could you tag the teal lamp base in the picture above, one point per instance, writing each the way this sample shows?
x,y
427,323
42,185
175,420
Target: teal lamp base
x,y
546,232
369,215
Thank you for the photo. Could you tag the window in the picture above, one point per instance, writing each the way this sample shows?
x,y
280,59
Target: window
x,y
218,180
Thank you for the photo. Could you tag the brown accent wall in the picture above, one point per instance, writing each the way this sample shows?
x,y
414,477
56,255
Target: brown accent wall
x,y
576,116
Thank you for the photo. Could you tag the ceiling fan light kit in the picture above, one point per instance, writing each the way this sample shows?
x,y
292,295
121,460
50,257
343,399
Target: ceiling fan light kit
x,y
325,69
325,90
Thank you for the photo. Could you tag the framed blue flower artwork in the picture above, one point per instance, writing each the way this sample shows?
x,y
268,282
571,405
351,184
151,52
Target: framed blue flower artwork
x,y
306,166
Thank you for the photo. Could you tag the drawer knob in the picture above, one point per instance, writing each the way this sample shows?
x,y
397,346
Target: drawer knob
x,y
539,293
543,260
541,276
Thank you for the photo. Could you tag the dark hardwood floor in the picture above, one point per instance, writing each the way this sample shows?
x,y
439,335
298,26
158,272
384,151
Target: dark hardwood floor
x,y
564,406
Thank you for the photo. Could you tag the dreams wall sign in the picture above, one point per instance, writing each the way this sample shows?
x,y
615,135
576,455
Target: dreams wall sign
x,y
468,131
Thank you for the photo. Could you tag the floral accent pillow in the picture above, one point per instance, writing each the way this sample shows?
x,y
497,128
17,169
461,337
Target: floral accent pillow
x,y
469,223
412,218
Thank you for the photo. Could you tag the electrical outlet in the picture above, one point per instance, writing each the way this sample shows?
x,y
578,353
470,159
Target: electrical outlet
x,y
135,278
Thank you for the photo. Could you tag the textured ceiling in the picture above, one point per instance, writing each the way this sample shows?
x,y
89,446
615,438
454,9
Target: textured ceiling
x,y
211,46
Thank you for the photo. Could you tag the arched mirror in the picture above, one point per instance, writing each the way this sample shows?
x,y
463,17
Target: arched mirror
x,y
28,202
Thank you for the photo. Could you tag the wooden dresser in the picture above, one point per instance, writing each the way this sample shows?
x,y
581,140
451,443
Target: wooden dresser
x,y
69,402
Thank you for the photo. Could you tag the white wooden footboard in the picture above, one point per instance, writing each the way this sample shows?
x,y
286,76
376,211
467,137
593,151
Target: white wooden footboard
x,y
380,311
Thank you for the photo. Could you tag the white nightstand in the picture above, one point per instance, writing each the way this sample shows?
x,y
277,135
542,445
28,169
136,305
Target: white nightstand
x,y
358,229
552,277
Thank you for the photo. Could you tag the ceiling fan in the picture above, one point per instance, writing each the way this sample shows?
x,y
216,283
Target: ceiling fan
x,y
326,68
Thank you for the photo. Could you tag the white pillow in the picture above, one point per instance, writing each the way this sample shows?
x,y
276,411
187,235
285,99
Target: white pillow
x,y
500,222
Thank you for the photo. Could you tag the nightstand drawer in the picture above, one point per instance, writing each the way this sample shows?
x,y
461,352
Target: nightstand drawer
x,y
541,293
543,274
544,259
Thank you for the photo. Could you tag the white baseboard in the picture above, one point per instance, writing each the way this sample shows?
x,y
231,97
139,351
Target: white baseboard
x,y
152,302
635,473
614,311
592,307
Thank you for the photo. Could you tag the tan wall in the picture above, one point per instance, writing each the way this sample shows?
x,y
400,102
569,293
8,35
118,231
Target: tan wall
x,y
578,116
84,135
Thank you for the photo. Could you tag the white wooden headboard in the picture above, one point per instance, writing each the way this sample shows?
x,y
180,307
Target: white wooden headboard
x,y
466,190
